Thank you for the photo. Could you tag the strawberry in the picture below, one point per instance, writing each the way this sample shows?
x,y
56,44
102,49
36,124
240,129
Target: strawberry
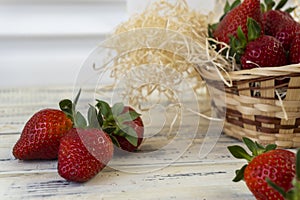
x,y
41,135
123,124
273,18
276,165
285,28
237,17
86,149
294,53
280,24
257,50
83,153
293,193
266,51
138,127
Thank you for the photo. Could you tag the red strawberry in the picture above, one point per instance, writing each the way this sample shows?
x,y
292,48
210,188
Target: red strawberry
x,y
280,24
266,51
237,17
83,153
138,126
277,165
293,193
123,124
284,30
256,50
41,135
273,18
294,54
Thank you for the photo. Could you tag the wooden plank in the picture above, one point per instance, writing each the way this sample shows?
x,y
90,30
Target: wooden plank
x,y
9,165
173,182
197,179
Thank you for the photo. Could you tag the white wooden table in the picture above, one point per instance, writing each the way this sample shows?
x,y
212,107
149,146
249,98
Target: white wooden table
x,y
187,178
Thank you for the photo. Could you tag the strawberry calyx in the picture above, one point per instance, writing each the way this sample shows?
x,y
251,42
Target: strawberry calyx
x,y
271,5
240,153
111,120
69,108
239,43
293,193
115,122
79,121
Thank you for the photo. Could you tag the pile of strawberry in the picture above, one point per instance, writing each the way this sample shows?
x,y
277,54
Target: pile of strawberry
x,y
83,147
259,36
271,174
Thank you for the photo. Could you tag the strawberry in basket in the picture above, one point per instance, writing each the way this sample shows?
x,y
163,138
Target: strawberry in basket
x,y
294,54
258,37
235,16
280,24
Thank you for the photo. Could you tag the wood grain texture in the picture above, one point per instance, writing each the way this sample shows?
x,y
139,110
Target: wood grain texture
x,y
135,176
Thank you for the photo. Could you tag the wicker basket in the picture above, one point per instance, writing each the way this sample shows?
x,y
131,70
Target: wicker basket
x,y
255,110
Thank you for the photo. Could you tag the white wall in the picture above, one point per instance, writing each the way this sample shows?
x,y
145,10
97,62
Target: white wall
x,y
44,42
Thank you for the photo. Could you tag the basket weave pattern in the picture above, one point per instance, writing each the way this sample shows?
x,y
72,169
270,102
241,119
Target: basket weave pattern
x,y
255,110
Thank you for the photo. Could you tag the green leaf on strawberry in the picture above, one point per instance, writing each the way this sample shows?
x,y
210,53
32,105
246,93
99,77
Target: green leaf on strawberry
x,y
122,123
271,5
254,29
228,7
117,109
104,108
132,140
93,118
239,174
126,117
239,152
68,107
79,120
239,43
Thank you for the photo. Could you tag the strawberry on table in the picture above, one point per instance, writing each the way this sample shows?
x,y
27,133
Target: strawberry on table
x,y
84,150
83,153
277,165
41,135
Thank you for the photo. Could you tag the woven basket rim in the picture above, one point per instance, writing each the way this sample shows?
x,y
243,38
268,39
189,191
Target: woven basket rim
x,y
255,73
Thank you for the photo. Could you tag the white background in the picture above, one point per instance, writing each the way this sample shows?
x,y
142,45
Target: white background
x,y
44,42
